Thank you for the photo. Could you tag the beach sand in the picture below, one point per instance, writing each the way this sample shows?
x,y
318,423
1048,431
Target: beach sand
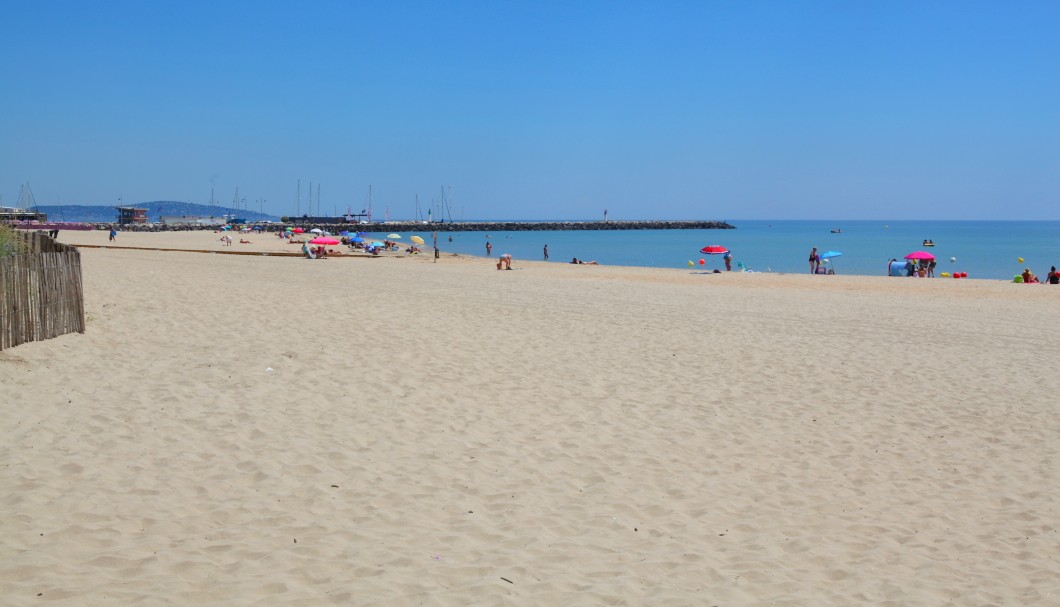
x,y
262,430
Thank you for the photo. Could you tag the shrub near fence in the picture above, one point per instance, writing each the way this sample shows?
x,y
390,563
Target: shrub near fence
x,y
41,296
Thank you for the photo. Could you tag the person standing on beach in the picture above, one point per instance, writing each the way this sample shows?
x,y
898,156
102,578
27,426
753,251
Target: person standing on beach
x,y
814,261
728,261
489,248
113,234
546,252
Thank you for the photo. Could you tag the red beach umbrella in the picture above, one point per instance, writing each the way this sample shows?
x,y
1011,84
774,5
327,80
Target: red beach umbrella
x,y
323,240
714,249
298,230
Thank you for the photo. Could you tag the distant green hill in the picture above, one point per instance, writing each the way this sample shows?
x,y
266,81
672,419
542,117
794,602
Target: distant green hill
x,y
108,213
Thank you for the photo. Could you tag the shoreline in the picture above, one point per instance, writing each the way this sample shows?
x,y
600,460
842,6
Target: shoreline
x,y
204,241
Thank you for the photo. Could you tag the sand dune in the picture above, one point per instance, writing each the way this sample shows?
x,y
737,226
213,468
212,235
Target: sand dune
x,y
237,430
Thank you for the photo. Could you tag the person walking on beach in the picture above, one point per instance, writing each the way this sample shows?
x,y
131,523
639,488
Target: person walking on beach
x,y
489,248
546,252
728,261
113,234
814,261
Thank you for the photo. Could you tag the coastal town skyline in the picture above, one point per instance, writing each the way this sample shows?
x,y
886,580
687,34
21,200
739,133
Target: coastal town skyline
x,y
764,110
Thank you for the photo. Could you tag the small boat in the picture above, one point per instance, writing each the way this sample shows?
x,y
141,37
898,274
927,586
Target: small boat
x,y
837,230
929,243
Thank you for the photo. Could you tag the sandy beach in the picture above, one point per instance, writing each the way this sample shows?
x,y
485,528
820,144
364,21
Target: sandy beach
x,y
266,430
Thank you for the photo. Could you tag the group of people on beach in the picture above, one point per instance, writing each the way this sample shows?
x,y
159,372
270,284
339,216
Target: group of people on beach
x,y
916,268
1052,278
317,252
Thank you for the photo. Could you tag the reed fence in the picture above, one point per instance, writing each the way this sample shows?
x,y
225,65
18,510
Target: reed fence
x,y
41,293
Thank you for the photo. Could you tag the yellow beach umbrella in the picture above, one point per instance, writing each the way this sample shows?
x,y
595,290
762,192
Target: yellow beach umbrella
x,y
417,240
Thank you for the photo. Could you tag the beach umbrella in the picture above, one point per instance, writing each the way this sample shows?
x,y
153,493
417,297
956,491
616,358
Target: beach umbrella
x,y
394,236
714,249
378,244
344,233
827,255
356,239
920,255
298,231
323,240
417,240
288,229
317,231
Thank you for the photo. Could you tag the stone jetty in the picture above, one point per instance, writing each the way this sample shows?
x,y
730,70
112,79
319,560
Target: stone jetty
x,y
550,226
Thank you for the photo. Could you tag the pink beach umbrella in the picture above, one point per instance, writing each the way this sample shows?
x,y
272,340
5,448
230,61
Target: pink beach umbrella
x,y
323,240
920,255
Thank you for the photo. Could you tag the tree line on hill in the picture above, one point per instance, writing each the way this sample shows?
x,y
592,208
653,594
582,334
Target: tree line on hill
x,y
155,210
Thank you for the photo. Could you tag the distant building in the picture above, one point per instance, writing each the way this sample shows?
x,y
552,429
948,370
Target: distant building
x,y
192,220
347,218
127,215
16,214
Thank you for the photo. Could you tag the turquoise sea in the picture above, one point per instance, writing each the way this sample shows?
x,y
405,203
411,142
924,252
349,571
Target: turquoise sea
x,y
983,249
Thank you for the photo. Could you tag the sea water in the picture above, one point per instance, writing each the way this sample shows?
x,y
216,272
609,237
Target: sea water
x,y
982,249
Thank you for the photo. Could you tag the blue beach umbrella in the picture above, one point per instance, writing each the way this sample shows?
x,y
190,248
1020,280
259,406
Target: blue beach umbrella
x,y
830,255
356,239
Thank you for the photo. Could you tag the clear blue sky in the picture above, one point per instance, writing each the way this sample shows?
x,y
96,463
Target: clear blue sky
x,y
704,109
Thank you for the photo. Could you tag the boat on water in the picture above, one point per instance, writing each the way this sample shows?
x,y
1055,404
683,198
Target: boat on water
x,y
929,243
837,230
